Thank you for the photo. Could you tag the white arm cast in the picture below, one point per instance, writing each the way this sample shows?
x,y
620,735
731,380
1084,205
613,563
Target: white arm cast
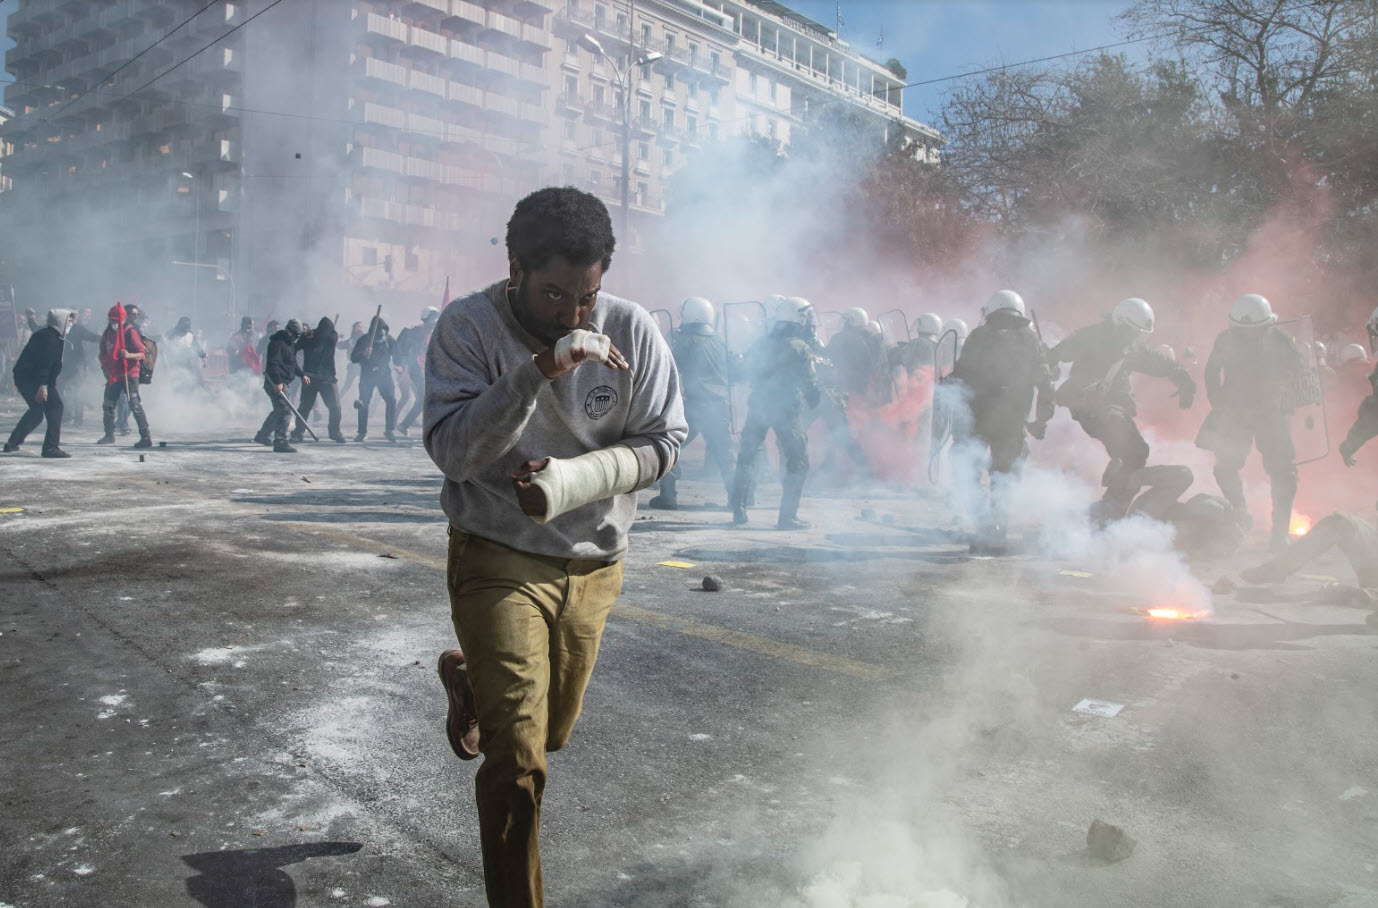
x,y
594,347
577,481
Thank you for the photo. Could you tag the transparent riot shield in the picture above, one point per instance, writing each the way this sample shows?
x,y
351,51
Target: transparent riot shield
x,y
895,326
1300,392
944,360
743,326
664,321
829,323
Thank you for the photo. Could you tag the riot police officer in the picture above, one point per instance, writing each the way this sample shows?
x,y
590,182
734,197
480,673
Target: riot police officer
x,y
783,384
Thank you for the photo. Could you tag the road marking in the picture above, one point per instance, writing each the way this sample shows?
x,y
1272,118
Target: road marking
x,y
739,639
755,643
685,565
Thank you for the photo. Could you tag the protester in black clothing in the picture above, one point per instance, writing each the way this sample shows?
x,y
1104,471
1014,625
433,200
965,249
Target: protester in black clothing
x,y
318,365
279,368
35,377
410,353
374,354
352,369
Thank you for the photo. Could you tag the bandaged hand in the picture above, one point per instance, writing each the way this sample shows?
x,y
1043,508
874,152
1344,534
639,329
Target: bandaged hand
x,y
554,486
576,347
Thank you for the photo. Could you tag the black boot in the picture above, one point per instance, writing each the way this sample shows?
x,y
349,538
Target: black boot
x,y
143,444
55,453
791,491
282,447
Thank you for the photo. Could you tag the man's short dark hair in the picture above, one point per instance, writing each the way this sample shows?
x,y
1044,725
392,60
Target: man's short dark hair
x,y
560,220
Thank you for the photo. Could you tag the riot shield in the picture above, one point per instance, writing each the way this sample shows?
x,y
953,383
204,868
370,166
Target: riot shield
x,y
944,360
896,326
664,321
829,323
743,325
1300,393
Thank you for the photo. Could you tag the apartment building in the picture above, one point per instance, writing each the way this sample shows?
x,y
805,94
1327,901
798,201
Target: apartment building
x,y
366,148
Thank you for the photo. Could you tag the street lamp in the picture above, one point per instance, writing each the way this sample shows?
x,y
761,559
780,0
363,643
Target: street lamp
x,y
220,274
590,43
196,249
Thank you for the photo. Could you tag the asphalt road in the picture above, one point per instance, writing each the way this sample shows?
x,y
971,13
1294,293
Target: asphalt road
x,y
219,690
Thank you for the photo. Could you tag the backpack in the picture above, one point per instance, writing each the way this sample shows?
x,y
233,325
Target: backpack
x,y
150,359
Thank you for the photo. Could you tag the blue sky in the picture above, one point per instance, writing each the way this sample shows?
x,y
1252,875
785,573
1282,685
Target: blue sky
x,y
935,38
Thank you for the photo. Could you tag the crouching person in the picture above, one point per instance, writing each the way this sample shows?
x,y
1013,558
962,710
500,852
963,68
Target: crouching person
x,y
549,404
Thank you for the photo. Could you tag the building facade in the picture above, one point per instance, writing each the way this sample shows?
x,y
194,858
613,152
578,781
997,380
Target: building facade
x,y
359,148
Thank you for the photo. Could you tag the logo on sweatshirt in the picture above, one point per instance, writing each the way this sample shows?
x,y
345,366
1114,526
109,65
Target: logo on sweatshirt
x,y
600,402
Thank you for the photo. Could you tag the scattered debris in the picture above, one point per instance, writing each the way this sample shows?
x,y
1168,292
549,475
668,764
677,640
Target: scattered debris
x,y
1222,586
1108,844
1323,578
388,555
1080,575
162,444
142,459
11,510
712,584
1103,708
304,479
682,565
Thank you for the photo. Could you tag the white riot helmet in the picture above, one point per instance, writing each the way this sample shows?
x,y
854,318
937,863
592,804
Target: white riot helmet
x,y
795,310
855,317
1004,301
429,313
771,304
1353,353
1320,352
1252,311
929,323
874,328
696,311
957,325
1135,313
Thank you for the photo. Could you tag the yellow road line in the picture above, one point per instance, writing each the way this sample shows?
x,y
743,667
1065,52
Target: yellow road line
x,y
739,639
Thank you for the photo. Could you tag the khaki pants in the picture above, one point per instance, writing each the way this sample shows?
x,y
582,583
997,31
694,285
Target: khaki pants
x,y
529,626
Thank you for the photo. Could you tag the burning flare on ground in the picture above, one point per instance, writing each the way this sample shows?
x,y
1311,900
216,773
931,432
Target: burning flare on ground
x,y
1168,613
1300,526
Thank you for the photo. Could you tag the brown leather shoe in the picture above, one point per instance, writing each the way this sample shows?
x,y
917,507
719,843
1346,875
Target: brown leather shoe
x,y
461,721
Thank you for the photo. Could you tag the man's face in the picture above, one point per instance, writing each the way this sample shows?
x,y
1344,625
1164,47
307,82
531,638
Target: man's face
x,y
552,301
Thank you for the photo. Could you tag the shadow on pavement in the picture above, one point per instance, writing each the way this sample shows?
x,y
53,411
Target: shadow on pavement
x,y
254,876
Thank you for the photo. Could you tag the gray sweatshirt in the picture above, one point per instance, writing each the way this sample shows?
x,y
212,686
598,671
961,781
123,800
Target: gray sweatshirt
x,y
489,409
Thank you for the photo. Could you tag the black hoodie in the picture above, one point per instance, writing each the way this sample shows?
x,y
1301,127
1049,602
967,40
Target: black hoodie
x,y
41,360
318,353
380,358
280,365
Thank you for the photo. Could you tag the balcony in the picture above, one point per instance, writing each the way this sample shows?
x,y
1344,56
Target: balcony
x,y
469,14
467,53
376,26
423,169
419,81
461,135
503,64
463,94
419,216
436,9
705,66
429,127
504,25
569,102
499,104
381,115
462,177
385,71
383,209
377,159
427,42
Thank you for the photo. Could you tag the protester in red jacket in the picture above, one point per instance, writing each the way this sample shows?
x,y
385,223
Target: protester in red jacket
x,y
121,351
